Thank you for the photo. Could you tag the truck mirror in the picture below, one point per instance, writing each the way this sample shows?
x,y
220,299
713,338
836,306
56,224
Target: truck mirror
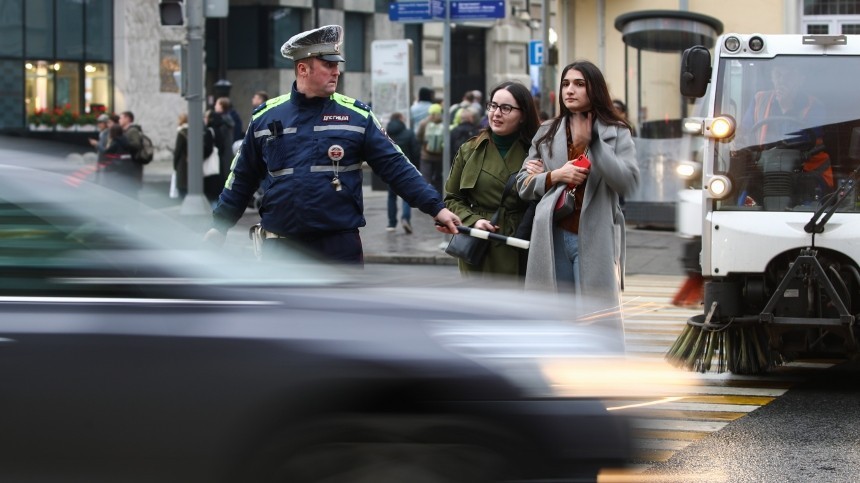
x,y
695,71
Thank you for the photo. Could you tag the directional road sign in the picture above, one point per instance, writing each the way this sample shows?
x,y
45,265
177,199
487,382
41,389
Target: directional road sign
x,y
477,10
409,11
416,11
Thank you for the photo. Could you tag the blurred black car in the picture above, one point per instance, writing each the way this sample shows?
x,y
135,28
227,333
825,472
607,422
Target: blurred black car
x,y
130,352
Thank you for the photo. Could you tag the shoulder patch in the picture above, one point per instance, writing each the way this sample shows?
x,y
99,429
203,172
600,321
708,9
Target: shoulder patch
x,y
346,100
362,105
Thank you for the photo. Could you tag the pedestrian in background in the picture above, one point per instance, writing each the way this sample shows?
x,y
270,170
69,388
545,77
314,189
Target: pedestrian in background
x,y
224,107
307,149
103,125
180,155
117,170
481,170
223,131
131,141
216,135
431,136
408,144
258,98
622,109
585,251
464,131
420,109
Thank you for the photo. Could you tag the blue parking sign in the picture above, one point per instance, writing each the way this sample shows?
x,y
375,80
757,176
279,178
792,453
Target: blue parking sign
x,y
536,52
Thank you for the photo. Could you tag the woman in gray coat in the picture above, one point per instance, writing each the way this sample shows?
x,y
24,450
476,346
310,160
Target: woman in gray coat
x,y
583,252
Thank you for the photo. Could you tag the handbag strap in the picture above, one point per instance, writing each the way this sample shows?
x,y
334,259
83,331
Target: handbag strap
x,y
505,192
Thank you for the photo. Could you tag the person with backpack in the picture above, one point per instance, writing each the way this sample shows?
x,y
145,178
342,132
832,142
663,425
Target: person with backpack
x,y
137,150
431,136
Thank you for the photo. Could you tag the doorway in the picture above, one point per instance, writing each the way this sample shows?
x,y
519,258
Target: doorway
x,y
468,56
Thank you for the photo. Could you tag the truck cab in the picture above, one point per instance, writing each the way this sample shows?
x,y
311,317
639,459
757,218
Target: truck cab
x,y
780,213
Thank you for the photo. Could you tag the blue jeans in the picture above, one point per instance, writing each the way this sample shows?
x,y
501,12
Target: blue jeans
x,y
392,209
567,268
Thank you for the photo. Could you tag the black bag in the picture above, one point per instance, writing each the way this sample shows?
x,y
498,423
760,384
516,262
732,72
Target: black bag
x,y
524,230
566,204
470,249
467,248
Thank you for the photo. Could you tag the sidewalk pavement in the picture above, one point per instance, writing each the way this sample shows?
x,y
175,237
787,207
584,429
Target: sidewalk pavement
x,y
648,251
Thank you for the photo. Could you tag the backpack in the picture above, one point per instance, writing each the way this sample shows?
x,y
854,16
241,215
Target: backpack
x,y
146,153
434,138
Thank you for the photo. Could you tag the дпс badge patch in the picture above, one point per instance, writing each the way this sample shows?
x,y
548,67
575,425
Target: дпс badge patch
x,y
335,118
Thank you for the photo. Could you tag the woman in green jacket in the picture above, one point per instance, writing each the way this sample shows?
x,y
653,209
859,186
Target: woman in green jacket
x,y
482,167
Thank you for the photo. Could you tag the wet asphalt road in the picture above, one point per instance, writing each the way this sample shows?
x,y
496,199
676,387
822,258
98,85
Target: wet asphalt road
x,y
810,434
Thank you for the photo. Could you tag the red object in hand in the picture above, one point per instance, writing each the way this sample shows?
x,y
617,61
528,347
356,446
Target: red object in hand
x,y
581,161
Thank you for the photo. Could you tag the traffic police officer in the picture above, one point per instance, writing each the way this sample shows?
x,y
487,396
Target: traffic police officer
x,y
307,148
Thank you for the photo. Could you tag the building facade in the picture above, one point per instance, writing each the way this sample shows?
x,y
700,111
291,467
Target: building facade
x,y
73,59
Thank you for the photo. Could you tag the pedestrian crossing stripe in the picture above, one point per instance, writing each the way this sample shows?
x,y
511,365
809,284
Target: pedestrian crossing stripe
x,y
708,403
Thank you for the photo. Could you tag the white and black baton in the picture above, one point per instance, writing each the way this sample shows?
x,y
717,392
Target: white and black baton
x,y
487,235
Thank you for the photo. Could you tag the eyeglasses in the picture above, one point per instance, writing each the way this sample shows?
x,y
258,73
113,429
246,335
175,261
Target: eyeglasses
x,y
505,108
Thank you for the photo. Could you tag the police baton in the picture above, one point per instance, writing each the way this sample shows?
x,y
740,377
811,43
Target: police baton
x,y
487,235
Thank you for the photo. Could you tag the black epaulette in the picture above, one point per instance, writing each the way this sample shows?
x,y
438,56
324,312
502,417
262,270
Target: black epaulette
x,y
257,109
361,105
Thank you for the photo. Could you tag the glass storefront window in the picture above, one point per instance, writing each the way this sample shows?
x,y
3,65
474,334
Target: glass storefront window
x,y
67,75
97,82
39,86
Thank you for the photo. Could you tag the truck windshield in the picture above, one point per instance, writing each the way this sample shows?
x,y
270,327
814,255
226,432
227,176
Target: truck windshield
x,y
798,131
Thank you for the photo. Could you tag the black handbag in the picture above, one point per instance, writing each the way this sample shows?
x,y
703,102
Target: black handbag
x,y
470,249
467,248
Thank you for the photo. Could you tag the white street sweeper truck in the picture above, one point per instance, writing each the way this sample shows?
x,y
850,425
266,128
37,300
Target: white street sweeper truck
x,y
780,210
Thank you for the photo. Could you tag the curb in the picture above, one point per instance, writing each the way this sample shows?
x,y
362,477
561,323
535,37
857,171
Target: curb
x,y
410,259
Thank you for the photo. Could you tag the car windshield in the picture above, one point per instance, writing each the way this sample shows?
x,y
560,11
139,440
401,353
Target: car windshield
x,y
798,129
60,236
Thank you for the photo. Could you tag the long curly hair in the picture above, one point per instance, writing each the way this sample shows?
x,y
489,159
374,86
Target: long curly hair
x,y
598,94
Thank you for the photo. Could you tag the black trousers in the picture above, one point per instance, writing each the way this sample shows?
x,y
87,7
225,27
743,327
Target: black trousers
x,y
339,247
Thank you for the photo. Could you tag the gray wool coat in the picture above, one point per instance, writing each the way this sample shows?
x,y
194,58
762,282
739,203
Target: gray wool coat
x,y
614,172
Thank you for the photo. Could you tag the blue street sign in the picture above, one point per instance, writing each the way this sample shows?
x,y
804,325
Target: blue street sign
x,y
535,52
477,10
434,10
409,11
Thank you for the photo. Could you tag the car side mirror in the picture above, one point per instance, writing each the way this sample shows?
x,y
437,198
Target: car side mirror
x,y
695,71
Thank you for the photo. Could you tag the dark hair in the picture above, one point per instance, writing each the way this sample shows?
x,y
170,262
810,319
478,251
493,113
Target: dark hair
x,y
619,104
225,102
425,94
262,95
128,114
598,93
115,132
526,102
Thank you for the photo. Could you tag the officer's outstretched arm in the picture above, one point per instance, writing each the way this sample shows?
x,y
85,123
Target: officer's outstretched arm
x,y
447,221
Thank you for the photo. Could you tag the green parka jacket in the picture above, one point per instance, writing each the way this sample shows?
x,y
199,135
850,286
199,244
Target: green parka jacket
x,y
473,191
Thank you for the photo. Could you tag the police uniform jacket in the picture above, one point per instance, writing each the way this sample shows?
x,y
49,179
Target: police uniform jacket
x,y
295,145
